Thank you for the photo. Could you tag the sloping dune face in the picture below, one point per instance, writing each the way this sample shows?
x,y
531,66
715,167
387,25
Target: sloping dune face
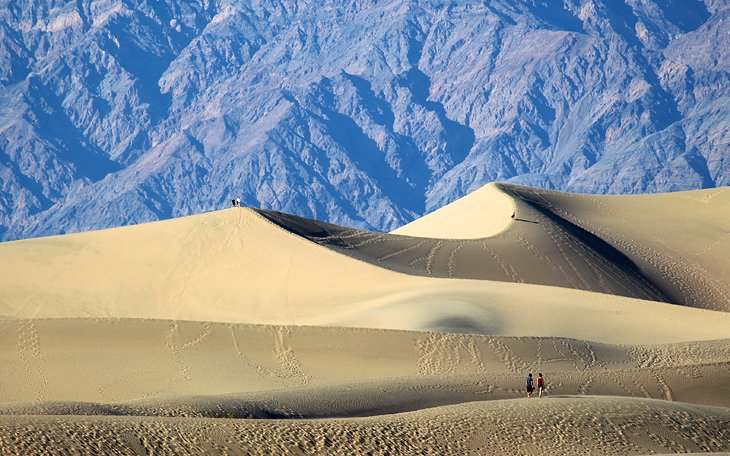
x,y
141,339
164,387
230,265
679,241
484,213
601,244
534,250
244,266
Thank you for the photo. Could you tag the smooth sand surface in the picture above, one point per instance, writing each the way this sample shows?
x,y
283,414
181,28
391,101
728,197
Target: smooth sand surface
x,y
140,339
486,212
236,266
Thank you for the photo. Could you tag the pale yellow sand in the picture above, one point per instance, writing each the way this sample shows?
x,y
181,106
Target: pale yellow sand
x,y
680,239
313,371
604,244
556,426
134,387
485,212
236,266
564,275
608,244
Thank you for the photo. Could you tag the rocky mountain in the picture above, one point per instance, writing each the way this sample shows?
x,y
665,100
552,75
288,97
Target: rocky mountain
x,y
366,113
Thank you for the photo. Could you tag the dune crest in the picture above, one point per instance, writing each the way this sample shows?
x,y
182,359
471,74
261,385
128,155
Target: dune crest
x,y
244,266
145,337
679,241
483,213
575,241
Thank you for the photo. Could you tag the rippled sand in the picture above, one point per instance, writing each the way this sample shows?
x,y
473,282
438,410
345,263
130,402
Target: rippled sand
x,y
255,332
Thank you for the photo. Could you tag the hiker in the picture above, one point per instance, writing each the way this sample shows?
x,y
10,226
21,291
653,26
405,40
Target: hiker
x,y
540,385
530,389
233,202
238,201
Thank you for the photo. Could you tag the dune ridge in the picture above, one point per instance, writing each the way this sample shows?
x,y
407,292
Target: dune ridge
x,y
678,240
248,331
587,264
556,239
220,267
485,213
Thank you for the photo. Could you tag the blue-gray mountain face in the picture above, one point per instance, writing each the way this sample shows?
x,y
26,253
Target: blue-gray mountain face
x,y
366,113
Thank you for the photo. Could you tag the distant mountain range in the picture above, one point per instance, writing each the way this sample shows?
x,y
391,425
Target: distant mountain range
x,y
363,113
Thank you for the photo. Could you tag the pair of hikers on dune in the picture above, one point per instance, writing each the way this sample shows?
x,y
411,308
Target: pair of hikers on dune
x,y
531,388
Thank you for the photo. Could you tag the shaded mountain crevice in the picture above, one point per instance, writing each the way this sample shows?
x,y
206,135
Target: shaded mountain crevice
x,y
365,153
459,138
87,158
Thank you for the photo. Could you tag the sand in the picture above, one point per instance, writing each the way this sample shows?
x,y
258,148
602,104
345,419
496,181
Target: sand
x,y
585,425
677,239
155,360
486,212
263,332
189,378
221,266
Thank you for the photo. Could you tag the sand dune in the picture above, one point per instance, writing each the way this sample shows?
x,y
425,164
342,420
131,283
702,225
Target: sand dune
x,y
162,384
236,266
678,240
576,241
295,367
538,251
484,213
585,425
142,336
